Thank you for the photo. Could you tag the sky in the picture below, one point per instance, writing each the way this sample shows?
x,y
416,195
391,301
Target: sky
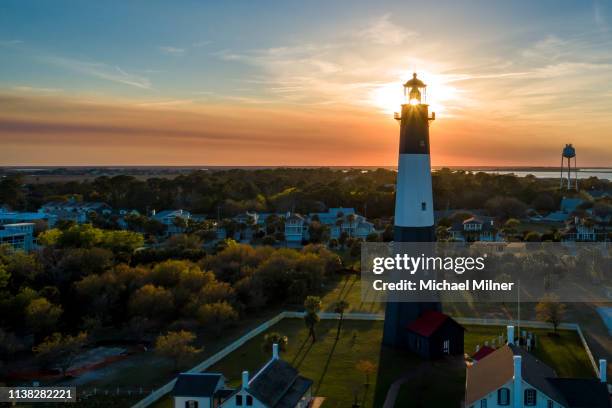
x,y
250,83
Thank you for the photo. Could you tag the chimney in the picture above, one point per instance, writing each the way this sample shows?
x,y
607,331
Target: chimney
x,y
245,380
517,382
603,370
510,334
275,351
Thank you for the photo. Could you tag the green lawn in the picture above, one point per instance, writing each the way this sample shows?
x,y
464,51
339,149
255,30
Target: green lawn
x,y
331,363
348,288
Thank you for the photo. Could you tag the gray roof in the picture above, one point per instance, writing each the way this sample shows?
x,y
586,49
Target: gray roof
x,y
196,384
277,384
295,393
537,374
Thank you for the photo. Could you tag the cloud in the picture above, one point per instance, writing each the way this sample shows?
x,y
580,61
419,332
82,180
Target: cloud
x,y
101,71
23,88
10,43
384,32
170,50
200,44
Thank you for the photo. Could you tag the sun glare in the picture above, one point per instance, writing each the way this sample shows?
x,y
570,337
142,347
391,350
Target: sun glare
x,y
390,96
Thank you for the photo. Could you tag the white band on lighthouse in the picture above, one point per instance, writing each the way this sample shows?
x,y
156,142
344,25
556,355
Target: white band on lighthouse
x,y
413,200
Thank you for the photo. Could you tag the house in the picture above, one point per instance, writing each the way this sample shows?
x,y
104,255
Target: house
x,y
435,335
276,385
344,220
569,205
174,220
512,377
295,227
200,390
15,217
476,228
586,229
73,210
20,236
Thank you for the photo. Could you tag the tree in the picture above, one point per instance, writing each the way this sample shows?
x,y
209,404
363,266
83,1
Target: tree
x,y
177,346
340,307
505,207
312,304
550,310
5,277
42,315
367,368
275,338
60,350
216,315
154,302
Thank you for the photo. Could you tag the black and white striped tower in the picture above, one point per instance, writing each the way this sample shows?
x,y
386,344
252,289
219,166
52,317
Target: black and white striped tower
x,y
414,220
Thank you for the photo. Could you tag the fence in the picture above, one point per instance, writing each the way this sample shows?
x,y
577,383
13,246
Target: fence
x,y
165,389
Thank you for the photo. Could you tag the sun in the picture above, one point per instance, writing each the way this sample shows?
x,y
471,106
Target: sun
x,y
389,97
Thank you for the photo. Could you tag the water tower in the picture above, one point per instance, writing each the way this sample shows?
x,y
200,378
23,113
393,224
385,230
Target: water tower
x,y
568,153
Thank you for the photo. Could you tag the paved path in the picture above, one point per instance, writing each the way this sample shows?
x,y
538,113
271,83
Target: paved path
x,y
397,384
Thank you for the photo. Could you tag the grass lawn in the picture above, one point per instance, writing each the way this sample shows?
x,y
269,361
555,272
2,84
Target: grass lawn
x,y
349,288
331,363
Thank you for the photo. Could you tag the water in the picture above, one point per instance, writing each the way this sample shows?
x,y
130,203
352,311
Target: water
x,y
582,174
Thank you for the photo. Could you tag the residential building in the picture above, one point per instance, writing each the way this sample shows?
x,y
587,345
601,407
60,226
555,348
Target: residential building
x,y
174,220
586,229
20,236
15,217
345,220
569,205
476,228
277,384
295,228
73,210
512,377
200,390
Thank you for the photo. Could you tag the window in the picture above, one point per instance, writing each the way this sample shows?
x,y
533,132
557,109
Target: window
x,y
530,397
249,401
446,346
483,403
550,404
239,400
423,206
191,404
503,396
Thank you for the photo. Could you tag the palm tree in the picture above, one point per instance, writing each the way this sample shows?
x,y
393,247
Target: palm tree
x,y
340,308
312,304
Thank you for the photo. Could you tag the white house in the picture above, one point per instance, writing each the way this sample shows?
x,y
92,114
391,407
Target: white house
x,y
73,210
170,219
586,229
276,385
200,390
295,227
476,228
20,236
513,378
343,219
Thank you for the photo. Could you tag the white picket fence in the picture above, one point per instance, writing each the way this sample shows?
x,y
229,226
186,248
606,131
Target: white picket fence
x,y
166,388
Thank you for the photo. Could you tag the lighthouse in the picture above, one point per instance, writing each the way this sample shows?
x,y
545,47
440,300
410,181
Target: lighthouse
x,y
414,220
